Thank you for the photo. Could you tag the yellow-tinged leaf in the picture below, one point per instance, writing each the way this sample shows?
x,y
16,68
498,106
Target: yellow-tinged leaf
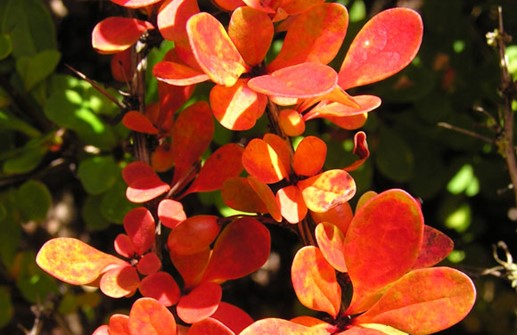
x,y
268,198
74,261
331,243
273,326
120,282
262,161
149,317
326,190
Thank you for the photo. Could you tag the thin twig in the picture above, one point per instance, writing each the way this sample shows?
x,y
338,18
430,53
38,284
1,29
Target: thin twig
x,y
465,132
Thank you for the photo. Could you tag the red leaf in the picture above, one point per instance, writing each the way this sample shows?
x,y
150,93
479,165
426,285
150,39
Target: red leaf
x,y
326,190
252,32
118,325
238,194
143,183
382,244
384,46
209,326
261,161
224,163
340,215
150,263
268,198
292,206
332,110
314,36
331,242
232,317
116,34
193,235
73,261
191,135
162,287
213,49
314,281
237,107
424,301
200,303
273,326
435,247
309,156
191,267
124,246
120,66
242,248
178,74
120,282
149,317
140,227
135,3
171,98
360,149
171,213
291,82
138,122
173,16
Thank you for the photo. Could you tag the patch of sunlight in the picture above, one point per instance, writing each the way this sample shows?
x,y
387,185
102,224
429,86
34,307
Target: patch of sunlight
x,y
458,46
459,219
464,181
511,56
357,12
456,256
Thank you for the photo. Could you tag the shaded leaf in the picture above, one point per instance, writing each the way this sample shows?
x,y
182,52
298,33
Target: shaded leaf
x,y
229,5
385,45
435,247
124,246
116,34
209,326
340,215
138,122
162,287
33,69
191,267
238,194
119,282
326,190
193,235
140,227
73,261
314,281
424,301
118,325
143,183
34,199
149,264
98,174
200,303
331,242
268,198
309,156
232,317
149,317
291,122
242,247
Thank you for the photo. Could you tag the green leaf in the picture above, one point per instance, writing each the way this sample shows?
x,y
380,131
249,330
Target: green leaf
x,y
91,214
6,306
114,204
6,46
25,160
34,284
33,69
10,230
33,199
98,174
9,121
393,157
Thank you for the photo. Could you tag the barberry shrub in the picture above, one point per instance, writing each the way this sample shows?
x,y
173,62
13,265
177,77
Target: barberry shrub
x,y
366,269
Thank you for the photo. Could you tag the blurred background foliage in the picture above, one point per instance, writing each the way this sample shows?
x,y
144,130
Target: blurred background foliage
x,y
62,150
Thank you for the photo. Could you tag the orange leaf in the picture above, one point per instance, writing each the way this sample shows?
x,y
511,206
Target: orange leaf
x,y
252,32
120,282
162,287
135,3
237,107
116,34
149,317
261,161
340,215
309,156
291,82
171,213
138,122
273,326
209,326
173,16
200,303
143,183
178,74
73,261
224,163
385,45
118,325
314,281
268,198
232,317
313,36
238,194
193,235
267,7
435,247
140,227
326,190
191,267
291,204
282,148
299,6
382,244
213,49
192,133
424,301
332,110
242,247
291,122
349,122
331,243
229,5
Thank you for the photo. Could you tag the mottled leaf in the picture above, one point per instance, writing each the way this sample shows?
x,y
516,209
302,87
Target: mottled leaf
x,y
120,282
331,243
149,317
435,247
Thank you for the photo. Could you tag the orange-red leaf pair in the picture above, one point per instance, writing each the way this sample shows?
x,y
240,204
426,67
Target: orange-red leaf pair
x,y
143,183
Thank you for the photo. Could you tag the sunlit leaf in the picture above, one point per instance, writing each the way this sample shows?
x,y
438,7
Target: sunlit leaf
x,y
104,330
261,161
299,6
291,81
314,281
118,325
326,190
224,163
124,246
314,36
171,213
435,247
292,205
149,317
173,16
424,301
238,194
237,107
379,330
275,326
162,287
232,317
135,3
120,282
242,247
384,46
200,303
213,49
268,198
143,183
178,74
291,122
116,34
282,148
382,244
193,235
340,215
309,156
209,326
191,135
252,32
74,261
331,243
331,110
140,227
